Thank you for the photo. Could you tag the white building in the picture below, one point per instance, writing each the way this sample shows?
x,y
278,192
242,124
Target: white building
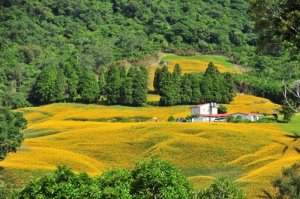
x,y
207,113
208,108
248,116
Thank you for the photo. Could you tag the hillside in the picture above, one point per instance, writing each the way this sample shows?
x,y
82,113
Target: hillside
x,y
92,34
84,138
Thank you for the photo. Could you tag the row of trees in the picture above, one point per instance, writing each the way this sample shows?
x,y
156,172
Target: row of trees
x,y
175,88
126,88
55,84
149,179
118,86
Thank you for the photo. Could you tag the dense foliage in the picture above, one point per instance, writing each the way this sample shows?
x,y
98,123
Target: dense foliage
x,y
212,86
222,188
126,88
118,86
288,184
149,179
90,34
153,178
277,56
10,136
287,111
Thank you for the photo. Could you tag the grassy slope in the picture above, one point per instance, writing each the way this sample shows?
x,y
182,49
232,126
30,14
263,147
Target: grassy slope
x,y
293,126
245,152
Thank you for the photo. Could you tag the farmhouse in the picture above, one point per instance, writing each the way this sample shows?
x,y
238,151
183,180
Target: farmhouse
x,y
209,113
248,116
208,108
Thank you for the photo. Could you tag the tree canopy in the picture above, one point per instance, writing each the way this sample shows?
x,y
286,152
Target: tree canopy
x,y
212,86
151,178
92,34
10,136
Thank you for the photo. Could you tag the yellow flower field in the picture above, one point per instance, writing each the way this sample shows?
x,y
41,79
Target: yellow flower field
x,y
252,104
248,153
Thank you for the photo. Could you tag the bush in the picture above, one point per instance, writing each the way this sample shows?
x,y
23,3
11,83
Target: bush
x,y
62,184
222,109
289,183
171,119
222,188
159,179
149,179
10,136
15,100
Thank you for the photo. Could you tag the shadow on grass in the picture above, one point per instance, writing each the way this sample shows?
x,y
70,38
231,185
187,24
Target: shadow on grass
x,y
265,194
295,138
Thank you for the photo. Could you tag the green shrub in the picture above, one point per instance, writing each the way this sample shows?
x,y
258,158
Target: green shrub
x,y
222,188
171,119
222,109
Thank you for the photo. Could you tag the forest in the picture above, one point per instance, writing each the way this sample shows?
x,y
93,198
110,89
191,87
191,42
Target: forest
x,y
92,35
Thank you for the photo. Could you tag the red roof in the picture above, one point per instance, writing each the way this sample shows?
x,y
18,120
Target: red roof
x,y
215,115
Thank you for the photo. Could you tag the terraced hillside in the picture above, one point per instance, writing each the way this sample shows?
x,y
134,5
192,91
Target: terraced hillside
x,y
94,138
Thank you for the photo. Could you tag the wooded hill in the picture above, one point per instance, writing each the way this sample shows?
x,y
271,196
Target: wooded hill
x,y
91,34
87,35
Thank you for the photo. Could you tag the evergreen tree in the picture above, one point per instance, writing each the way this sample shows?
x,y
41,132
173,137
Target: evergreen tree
x,y
206,89
177,70
88,87
139,93
186,89
126,91
44,88
72,82
60,86
167,93
212,69
176,84
113,85
231,87
145,77
157,79
196,92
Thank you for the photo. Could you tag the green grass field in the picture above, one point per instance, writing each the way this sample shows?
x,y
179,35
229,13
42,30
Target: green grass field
x,y
293,127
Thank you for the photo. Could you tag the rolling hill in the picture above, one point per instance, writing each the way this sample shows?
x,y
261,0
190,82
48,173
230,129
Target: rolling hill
x,y
93,138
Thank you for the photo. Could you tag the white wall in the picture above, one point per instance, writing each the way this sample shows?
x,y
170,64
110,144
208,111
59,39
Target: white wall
x,y
201,119
214,110
204,109
243,116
